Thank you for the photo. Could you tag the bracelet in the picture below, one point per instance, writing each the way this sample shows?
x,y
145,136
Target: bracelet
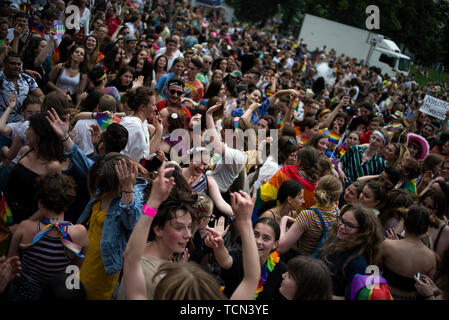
x,y
125,191
151,212
432,295
92,115
68,136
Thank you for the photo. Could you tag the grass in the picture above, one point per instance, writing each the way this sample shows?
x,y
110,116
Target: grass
x,y
433,76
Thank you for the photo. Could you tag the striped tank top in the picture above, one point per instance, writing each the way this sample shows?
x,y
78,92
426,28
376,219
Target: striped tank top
x,y
43,260
201,186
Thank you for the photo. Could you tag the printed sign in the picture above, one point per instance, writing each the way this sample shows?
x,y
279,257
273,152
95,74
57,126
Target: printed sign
x,y
435,107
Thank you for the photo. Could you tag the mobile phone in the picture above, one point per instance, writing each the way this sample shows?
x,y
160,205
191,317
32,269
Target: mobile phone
x,y
418,276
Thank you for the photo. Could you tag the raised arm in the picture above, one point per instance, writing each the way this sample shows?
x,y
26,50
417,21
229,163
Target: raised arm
x,y
6,130
288,238
210,124
133,277
215,194
242,205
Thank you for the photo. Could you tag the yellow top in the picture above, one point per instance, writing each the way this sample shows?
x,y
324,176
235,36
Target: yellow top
x,y
99,285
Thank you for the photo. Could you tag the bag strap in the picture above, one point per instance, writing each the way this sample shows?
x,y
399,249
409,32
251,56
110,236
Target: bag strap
x,y
321,219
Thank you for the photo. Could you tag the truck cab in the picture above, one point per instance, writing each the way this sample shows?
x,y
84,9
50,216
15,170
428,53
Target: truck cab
x,y
387,56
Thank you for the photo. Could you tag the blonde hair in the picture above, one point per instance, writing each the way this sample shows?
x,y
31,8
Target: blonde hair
x,y
204,204
328,190
186,281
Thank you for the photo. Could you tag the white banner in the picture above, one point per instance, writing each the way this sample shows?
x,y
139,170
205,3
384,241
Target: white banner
x,y
435,107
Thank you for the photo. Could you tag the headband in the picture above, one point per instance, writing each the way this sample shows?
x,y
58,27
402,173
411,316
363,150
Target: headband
x,y
380,135
102,77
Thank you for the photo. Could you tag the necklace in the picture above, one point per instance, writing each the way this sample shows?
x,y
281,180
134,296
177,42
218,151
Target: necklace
x,y
267,267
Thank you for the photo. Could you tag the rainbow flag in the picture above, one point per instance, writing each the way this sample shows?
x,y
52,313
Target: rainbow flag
x,y
27,9
334,137
104,121
59,28
280,122
325,131
342,151
269,190
5,212
405,123
317,58
396,126
269,93
305,67
39,30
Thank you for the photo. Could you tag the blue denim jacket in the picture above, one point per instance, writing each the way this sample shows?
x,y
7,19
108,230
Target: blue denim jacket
x,y
120,219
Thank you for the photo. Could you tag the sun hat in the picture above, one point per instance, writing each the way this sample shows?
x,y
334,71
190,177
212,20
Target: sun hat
x,y
236,74
422,143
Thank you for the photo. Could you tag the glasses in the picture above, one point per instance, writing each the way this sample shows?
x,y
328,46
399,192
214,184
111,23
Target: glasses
x,y
348,225
143,46
179,93
211,217
208,62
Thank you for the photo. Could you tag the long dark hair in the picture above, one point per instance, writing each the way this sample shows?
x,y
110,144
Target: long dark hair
x,y
83,64
288,188
50,146
33,44
63,48
109,60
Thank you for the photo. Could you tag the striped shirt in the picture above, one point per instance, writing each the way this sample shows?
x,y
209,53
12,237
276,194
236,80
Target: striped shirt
x,y
309,224
43,260
353,167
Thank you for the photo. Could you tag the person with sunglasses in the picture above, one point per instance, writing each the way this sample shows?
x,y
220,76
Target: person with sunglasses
x,y
354,243
175,91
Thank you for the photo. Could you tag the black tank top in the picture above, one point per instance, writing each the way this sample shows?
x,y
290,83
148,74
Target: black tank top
x,y
19,192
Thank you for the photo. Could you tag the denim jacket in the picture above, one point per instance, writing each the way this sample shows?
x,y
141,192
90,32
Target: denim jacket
x,y
120,221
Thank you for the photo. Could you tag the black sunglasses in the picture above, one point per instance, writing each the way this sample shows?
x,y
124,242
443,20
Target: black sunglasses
x,y
179,93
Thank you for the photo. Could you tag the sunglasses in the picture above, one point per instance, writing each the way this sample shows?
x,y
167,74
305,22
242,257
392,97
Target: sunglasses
x,y
143,46
179,93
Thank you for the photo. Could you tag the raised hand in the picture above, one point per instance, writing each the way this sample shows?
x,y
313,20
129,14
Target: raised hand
x,y
157,122
9,270
162,186
214,108
95,133
219,226
61,128
213,239
126,174
242,205
12,101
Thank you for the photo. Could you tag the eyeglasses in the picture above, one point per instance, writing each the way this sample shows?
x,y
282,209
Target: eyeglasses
x,y
347,225
179,93
208,62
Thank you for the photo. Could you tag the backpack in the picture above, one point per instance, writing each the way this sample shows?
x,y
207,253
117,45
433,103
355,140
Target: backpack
x,y
317,251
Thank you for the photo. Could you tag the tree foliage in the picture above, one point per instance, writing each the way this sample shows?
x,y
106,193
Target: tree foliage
x,y
420,25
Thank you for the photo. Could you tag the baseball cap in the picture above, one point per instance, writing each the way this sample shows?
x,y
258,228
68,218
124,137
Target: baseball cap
x,y
236,74
129,38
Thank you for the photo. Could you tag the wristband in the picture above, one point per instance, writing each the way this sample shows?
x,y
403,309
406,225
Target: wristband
x,y
125,191
68,136
151,212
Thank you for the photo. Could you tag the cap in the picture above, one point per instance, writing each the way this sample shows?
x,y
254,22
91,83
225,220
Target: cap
x,y
236,74
176,82
424,145
129,38
14,6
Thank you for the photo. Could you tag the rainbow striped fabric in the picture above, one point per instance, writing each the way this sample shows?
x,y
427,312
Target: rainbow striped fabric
x,y
370,287
305,67
5,212
269,190
334,137
105,121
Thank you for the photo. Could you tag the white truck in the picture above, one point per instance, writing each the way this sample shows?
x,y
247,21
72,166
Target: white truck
x,y
361,44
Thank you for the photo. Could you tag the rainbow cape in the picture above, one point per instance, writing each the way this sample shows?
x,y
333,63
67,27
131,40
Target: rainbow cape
x,y
334,137
104,121
269,190
342,151
370,287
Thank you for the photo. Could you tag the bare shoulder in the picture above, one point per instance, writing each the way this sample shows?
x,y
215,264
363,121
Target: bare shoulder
x,y
54,166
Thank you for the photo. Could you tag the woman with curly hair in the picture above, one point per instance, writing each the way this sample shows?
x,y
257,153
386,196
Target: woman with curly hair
x,y
353,244
113,61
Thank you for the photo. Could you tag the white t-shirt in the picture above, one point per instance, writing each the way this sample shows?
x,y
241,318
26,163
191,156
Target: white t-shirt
x,y
138,146
268,170
84,135
177,54
19,129
228,170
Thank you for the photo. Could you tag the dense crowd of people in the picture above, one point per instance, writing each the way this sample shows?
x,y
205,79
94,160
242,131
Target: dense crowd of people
x,y
169,154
